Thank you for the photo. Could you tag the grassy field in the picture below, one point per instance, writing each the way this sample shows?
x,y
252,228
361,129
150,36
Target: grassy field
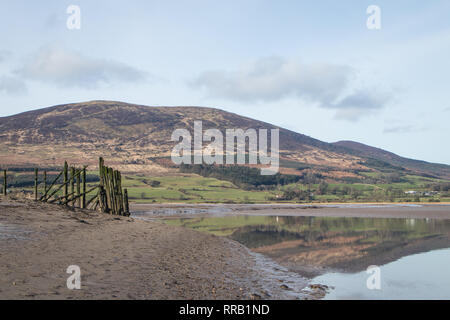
x,y
192,188
188,189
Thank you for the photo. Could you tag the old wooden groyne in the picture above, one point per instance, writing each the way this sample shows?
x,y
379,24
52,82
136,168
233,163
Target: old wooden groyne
x,y
107,196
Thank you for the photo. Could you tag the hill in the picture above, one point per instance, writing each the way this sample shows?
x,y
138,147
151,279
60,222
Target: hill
x,y
365,151
136,139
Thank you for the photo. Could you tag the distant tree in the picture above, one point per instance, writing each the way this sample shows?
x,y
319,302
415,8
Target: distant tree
x,y
323,188
155,183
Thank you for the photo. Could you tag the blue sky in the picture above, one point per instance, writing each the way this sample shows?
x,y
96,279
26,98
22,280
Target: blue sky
x,y
312,67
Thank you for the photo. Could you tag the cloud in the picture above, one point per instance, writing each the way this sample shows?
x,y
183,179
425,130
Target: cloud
x,y
362,99
12,85
271,79
4,54
403,129
351,114
360,103
274,78
72,69
54,20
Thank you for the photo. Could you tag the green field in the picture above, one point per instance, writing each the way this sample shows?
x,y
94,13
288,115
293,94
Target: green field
x,y
192,188
188,189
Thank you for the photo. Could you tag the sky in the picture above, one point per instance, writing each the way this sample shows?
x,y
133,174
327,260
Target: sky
x,y
313,67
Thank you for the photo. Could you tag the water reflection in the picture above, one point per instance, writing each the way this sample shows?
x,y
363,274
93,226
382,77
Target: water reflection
x,y
316,245
418,276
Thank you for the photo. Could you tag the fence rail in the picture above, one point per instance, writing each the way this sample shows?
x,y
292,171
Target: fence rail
x,y
110,197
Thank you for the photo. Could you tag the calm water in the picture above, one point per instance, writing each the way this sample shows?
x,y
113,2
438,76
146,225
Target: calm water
x,y
412,254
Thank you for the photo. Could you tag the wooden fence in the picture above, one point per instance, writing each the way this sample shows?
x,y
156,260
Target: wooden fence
x,y
109,198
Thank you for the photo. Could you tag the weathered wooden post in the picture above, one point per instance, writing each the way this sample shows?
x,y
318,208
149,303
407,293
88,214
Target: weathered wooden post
x,y
120,194
5,183
66,187
45,182
101,190
125,202
107,190
72,183
113,190
83,198
79,188
110,196
116,192
107,182
35,184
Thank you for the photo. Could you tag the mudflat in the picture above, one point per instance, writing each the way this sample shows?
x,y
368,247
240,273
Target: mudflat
x,y
119,258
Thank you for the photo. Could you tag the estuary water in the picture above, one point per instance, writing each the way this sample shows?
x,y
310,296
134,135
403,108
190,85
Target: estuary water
x,y
413,255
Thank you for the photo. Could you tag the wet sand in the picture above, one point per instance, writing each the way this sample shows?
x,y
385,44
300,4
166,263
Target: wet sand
x,y
130,258
125,258
382,210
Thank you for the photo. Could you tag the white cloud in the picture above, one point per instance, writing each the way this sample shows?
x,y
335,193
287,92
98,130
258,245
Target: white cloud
x,y
275,78
72,69
271,79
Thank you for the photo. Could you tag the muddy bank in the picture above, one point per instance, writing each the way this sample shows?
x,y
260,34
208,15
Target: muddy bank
x,y
127,258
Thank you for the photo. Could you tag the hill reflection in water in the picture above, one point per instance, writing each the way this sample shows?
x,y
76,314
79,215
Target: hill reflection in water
x,y
315,245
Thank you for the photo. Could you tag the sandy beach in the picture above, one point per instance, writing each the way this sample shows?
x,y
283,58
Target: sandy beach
x,y
137,258
122,258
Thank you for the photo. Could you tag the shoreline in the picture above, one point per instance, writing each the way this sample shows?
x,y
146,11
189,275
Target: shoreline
x,y
355,210
126,258
130,258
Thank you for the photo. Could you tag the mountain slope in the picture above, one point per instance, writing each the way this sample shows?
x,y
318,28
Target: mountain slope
x,y
133,136
365,151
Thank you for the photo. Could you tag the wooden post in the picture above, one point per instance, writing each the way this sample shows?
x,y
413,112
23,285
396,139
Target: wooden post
x,y
125,204
102,193
66,187
108,186
5,183
45,182
83,199
116,193
100,170
110,197
107,183
79,188
113,190
44,196
72,182
35,184
120,194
